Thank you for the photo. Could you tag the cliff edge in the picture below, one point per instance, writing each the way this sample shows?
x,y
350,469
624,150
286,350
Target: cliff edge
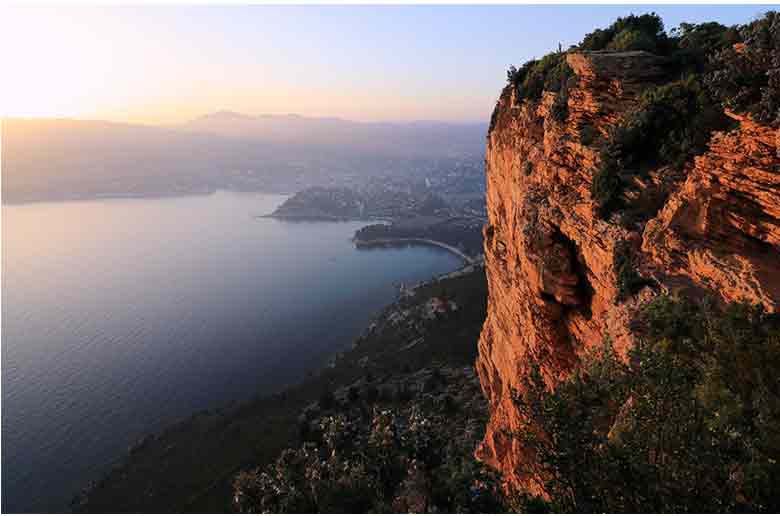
x,y
564,273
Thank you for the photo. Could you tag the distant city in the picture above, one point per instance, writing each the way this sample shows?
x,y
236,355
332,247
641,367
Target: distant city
x,y
284,154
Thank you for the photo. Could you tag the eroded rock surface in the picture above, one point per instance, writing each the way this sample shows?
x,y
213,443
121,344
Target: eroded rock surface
x,y
550,259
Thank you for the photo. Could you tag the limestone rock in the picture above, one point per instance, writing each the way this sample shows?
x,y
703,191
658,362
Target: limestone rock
x,y
550,259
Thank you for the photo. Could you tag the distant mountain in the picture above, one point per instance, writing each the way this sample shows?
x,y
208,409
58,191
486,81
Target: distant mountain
x,y
61,158
407,138
48,159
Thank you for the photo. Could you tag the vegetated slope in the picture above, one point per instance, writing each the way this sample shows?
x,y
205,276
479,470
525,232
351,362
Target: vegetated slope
x,y
629,179
400,443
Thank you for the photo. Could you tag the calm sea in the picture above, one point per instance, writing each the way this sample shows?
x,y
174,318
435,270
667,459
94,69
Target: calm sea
x,y
121,316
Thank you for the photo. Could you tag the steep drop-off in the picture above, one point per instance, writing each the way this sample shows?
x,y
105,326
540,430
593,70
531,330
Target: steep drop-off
x,y
551,261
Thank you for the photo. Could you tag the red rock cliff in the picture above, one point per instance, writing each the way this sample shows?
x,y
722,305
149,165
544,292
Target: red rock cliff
x,y
550,259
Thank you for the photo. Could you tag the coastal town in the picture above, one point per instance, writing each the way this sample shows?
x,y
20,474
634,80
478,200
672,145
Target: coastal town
x,y
450,218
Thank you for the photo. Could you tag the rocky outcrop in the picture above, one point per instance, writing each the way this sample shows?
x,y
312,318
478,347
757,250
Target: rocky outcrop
x,y
550,260
721,229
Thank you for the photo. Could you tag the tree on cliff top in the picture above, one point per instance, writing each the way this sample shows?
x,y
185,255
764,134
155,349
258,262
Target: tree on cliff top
x,y
746,77
644,32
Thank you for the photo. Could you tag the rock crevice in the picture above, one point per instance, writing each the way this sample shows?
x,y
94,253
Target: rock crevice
x,y
550,260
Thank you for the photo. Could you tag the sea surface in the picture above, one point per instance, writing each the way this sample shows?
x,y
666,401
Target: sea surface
x,y
121,316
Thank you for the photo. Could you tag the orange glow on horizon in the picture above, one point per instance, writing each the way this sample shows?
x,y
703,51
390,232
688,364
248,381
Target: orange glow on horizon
x,y
107,65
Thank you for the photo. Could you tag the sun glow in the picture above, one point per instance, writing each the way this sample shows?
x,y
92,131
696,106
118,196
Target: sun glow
x,y
53,63
162,65
86,64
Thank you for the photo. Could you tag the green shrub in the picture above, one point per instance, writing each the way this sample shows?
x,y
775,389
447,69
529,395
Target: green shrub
x,y
628,281
645,32
673,121
670,124
708,37
550,73
560,107
748,80
607,186
690,424
744,80
361,466
693,43
628,39
588,135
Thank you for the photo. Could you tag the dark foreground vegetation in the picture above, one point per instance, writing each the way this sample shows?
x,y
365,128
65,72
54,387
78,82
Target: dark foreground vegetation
x,y
690,424
400,435
405,445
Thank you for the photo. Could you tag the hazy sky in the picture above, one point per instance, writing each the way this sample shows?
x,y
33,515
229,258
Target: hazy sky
x,y
167,64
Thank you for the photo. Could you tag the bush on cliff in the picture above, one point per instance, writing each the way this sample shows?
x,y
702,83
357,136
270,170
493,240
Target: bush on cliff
x,y
674,122
644,32
559,110
690,424
746,77
694,43
670,124
588,135
395,461
629,282
550,73
740,64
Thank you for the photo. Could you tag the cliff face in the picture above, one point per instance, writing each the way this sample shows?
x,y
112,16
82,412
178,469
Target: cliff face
x,y
550,260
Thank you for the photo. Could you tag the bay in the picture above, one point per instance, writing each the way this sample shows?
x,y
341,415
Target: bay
x,y
121,316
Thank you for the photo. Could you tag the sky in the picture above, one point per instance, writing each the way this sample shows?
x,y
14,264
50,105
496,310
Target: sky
x,y
165,65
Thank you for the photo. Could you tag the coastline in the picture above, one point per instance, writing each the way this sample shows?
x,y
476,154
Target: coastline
x,y
223,433
123,196
302,217
383,242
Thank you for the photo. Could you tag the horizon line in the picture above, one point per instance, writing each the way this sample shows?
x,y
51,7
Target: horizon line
x,y
238,114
